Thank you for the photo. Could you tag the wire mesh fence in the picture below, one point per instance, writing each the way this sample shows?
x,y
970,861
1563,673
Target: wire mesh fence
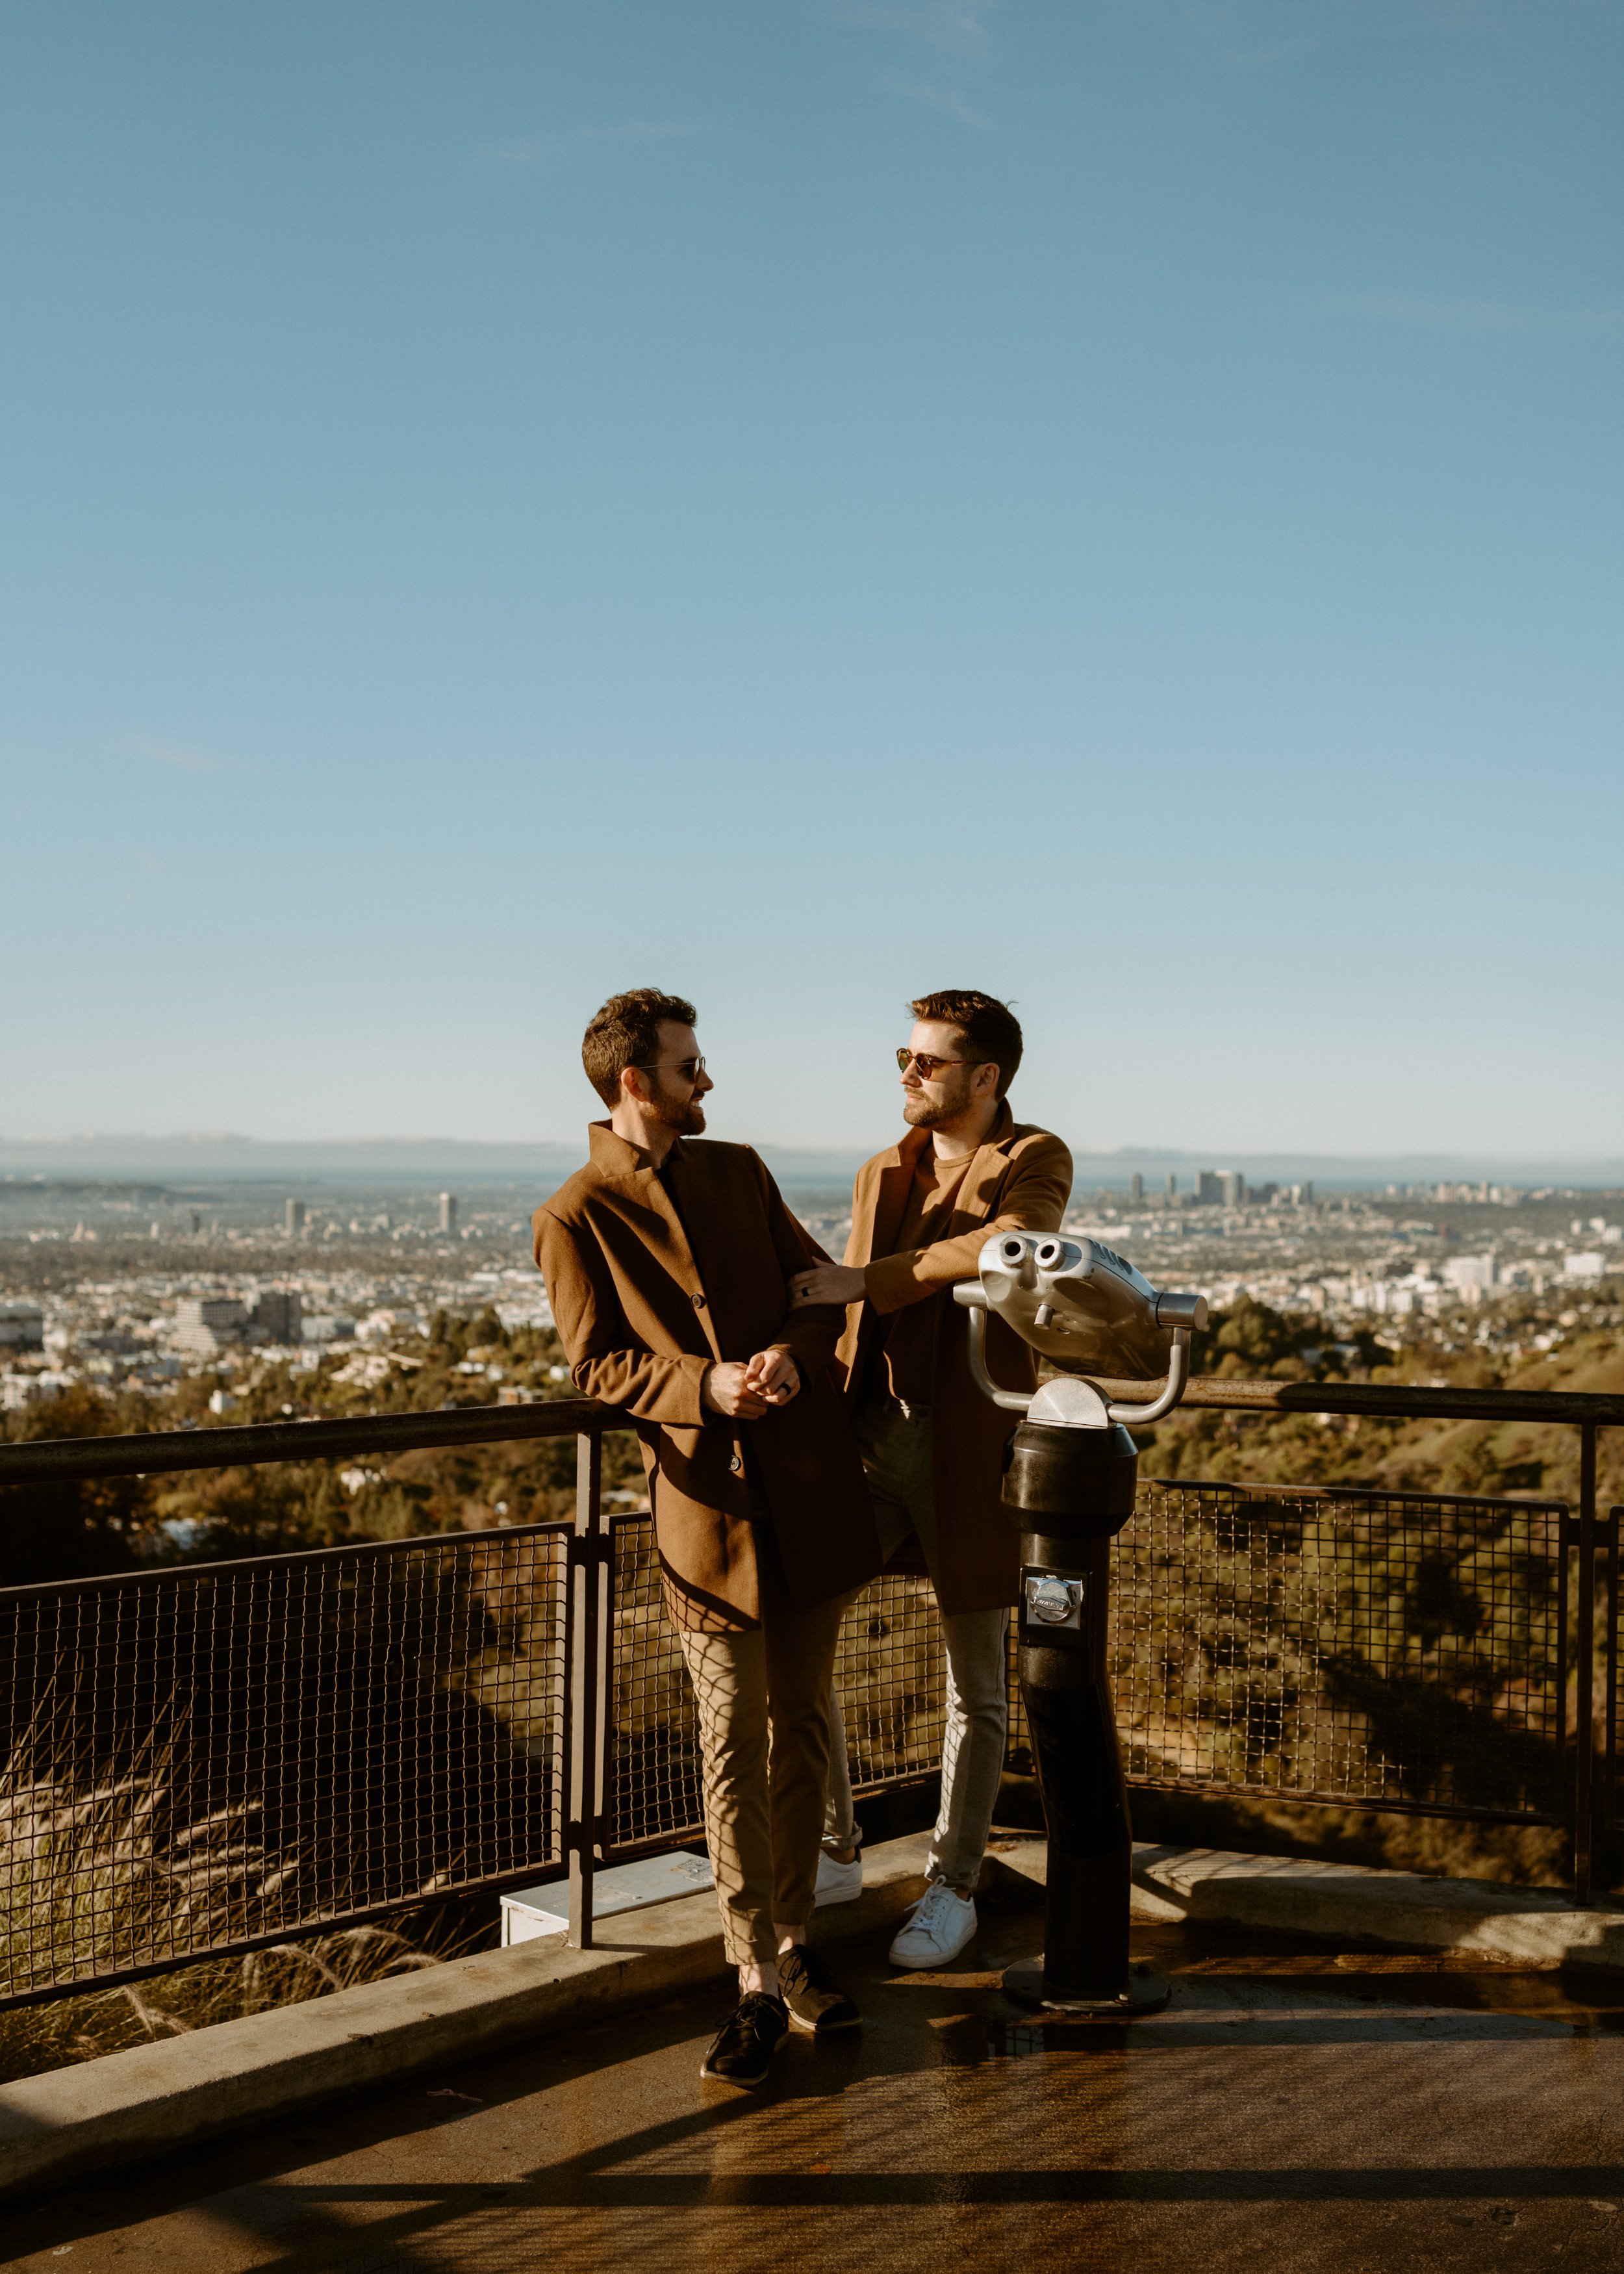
x,y
206,1759
1390,1650
203,1759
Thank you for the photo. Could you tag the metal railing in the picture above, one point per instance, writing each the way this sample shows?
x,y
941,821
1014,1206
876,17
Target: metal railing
x,y
209,1759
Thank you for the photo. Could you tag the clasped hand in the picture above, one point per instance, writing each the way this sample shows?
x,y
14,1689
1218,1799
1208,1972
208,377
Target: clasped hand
x,y
746,1390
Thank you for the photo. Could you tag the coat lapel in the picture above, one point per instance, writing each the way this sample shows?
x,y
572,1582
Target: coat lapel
x,y
880,1199
625,1168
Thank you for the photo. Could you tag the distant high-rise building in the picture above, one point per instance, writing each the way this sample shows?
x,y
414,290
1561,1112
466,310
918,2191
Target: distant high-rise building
x,y
1589,1266
448,1211
279,1315
1232,1188
1172,1185
196,1220
293,1218
1208,1188
205,1325
1136,1190
22,1326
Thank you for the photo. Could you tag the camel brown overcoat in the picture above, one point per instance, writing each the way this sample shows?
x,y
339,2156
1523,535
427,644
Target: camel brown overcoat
x,y
646,1296
1020,1180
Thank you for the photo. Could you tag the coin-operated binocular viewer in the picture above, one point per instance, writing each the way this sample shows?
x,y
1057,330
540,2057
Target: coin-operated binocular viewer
x,y
1069,1486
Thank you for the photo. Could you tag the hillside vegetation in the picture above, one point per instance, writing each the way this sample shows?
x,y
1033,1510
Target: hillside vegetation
x,y
1522,1459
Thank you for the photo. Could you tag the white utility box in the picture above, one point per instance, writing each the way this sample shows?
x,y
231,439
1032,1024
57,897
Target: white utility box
x,y
535,1912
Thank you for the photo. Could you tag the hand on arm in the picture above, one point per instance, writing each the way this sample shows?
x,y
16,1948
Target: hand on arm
x,y
827,1283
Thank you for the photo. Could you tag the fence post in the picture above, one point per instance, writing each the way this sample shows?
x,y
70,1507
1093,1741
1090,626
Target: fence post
x,y
587,1715
1584,1717
1610,1673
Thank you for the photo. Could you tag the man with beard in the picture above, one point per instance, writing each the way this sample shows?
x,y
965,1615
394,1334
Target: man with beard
x,y
667,1262
934,1447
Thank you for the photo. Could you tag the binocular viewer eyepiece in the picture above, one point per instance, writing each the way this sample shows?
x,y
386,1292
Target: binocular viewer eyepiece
x,y
1087,1308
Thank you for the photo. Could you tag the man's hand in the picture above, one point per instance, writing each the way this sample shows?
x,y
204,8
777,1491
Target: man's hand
x,y
827,1283
773,1374
726,1389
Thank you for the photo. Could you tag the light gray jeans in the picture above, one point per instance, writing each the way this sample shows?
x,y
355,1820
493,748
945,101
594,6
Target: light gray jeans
x,y
897,1453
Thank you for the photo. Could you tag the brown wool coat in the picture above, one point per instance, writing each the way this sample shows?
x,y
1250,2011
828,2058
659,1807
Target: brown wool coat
x,y
1020,1180
643,1307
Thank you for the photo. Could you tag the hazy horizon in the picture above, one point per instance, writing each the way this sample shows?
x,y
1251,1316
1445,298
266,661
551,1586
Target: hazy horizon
x,y
229,1156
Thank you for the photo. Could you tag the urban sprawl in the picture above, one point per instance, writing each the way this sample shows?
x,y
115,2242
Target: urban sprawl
x,y
135,1287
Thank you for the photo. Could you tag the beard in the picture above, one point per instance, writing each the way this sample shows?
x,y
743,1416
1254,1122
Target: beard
x,y
686,1115
920,1113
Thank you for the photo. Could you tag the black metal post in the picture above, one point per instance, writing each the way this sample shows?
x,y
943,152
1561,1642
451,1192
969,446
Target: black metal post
x,y
1071,1489
1584,1717
1610,1662
588,1719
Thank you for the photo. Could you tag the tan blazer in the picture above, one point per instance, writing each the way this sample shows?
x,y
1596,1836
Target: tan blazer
x,y
645,1299
1020,1180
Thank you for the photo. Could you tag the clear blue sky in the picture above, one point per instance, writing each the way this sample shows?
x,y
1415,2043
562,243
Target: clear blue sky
x,y
1118,504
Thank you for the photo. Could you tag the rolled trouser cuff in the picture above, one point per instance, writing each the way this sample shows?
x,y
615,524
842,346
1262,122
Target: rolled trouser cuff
x,y
749,1938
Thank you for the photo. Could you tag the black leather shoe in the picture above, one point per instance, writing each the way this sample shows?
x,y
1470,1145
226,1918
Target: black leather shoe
x,y
815,2000
742,2048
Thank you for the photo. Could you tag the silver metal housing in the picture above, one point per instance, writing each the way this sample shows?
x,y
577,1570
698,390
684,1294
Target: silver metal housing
x,y
1083,1304
1086,1307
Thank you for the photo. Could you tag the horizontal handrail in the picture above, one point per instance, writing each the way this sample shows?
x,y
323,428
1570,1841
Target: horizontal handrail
x,y
164,1451
1393,1401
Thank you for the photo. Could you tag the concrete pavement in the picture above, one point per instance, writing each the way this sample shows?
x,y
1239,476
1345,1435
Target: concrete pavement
x,y
1294,2108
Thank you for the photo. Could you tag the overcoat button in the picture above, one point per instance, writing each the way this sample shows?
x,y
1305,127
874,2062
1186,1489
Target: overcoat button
x,y
736,1464
699,1302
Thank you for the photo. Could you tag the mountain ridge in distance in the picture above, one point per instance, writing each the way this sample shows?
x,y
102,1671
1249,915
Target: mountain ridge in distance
x,y
448,1159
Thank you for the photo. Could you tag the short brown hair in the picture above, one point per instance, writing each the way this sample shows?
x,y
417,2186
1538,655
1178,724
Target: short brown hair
x,y
990,1028
626,1033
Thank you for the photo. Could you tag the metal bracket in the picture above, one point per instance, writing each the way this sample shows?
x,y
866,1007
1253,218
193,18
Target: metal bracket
x,y
1070,1401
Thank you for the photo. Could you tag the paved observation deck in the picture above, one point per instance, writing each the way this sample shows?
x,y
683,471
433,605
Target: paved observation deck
x,y
1298,2105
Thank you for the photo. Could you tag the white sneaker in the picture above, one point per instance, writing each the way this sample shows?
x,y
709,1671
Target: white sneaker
x,y
838,1882
937,1929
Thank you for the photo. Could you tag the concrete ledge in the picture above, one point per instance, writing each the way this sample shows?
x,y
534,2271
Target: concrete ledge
x,y
1532,1926
156,2098
1350,1903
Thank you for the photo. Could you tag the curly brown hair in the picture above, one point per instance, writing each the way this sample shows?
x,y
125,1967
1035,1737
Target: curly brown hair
x,y
626,1033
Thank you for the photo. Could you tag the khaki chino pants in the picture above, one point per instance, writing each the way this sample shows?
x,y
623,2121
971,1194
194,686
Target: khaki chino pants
x,y
763,1700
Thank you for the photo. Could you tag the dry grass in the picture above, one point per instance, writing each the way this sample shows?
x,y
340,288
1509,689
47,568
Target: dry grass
x,y
98,1879
36,2037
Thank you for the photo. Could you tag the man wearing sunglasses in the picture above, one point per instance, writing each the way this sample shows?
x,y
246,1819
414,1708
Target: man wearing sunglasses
x,y
666,1261
933,1446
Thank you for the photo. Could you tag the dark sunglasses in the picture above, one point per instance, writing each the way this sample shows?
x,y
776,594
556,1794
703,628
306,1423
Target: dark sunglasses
x,y
692,1067
926,1063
